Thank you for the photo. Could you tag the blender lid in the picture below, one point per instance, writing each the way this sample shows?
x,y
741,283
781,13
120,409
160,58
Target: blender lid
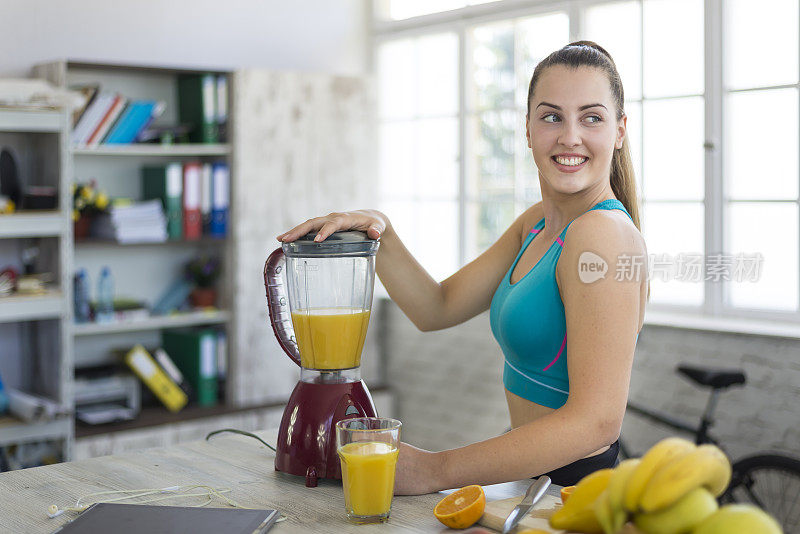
x,y
347,243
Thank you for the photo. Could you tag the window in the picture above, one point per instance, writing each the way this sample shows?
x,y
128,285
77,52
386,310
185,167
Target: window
x,y
717,167
418,146
761,149
501,174
664,80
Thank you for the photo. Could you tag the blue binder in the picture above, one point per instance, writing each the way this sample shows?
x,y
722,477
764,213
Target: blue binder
x,y
133,120
220,199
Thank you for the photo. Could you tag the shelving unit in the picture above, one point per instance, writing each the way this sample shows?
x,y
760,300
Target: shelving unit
x,y
15,431
181,320
195,150
30,120
32,224
15,308
141,270
35,326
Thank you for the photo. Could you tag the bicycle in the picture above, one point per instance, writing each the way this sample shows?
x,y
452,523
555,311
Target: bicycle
x,y
770,481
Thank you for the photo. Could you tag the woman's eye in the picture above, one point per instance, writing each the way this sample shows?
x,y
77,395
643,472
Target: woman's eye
x,y
593,118
550,117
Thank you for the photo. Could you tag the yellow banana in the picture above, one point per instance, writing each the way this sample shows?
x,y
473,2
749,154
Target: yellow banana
x,y
681,517
659,454
738,519
705,466
616,492
602,511
577,514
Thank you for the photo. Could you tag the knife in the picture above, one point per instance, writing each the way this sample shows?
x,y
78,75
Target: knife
x,y
532,496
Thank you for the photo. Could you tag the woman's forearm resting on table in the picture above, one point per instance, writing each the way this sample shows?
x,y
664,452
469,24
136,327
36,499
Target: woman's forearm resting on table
x,y
550,442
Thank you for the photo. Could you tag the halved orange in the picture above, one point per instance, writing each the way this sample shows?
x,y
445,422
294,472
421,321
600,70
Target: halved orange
x,y
462,508
566,491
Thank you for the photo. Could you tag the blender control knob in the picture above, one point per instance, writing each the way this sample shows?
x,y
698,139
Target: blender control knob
x,y
282,301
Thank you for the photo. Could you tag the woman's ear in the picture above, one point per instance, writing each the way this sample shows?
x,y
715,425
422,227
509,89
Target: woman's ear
x,y
528,130
622,127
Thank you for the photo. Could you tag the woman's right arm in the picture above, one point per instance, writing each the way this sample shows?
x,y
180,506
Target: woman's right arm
x,y
430,305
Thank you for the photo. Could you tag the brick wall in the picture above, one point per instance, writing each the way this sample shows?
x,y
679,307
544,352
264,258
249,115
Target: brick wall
x,y
449,390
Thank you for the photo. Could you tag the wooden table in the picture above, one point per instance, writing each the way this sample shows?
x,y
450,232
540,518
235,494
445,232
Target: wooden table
x,y
232,461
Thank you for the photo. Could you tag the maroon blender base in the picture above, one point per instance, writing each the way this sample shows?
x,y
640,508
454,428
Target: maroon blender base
x,y
307,435
338,272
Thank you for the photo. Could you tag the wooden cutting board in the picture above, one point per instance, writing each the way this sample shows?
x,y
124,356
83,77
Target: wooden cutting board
x,y
496,512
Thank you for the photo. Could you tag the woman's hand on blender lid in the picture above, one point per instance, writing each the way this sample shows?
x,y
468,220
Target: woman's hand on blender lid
x,y
372,222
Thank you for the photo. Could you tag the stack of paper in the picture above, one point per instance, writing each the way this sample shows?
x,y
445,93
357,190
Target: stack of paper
x,y
139,222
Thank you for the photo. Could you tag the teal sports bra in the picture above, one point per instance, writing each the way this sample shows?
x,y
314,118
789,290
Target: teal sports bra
x,y
528,321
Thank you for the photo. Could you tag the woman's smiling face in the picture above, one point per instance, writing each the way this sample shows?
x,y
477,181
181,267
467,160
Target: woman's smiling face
x,y
572,128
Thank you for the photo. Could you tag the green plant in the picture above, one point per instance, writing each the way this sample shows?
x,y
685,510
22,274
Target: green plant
x,y
87,200
203,271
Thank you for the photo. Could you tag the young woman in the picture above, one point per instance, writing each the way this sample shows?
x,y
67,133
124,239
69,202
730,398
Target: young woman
x,y
567,326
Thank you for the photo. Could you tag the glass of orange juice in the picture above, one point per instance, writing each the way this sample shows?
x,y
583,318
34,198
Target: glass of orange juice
x,y
368,448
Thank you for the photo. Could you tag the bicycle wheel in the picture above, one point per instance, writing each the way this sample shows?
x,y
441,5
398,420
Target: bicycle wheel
x,y
771,482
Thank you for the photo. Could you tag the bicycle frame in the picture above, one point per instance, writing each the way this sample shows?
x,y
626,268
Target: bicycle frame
x,y
700,431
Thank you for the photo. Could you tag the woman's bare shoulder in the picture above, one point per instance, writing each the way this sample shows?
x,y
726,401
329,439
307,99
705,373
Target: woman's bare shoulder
x,y
529,218
610,231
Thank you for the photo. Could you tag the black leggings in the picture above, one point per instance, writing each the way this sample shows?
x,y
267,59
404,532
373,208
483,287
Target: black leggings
x,y
570,474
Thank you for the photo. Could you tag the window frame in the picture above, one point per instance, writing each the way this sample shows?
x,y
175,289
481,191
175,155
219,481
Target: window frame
x,y
715,299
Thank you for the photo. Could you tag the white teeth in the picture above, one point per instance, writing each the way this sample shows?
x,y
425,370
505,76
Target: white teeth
x,y
571,161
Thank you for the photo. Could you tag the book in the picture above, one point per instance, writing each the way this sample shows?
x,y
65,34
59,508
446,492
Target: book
x,y
222,363
156,379
205,196
120,102
192,218
165,182
222,107
137,117
101,518
91,118
220,200
195,354
88,93
172,370
196,106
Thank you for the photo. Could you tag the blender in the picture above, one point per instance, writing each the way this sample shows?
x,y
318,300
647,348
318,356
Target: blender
x,y
319,297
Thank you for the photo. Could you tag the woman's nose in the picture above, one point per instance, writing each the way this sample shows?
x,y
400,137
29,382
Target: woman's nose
x,y
570,135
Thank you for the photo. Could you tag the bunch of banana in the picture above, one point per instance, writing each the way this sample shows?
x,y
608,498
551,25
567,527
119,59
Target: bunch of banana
x,y
577,514
670,490
738,519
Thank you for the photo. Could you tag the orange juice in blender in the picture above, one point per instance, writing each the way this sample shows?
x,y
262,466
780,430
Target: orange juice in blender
x,y
368,477
330,338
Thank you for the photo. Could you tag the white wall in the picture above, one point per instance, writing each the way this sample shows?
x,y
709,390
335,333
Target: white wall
x,y
308,35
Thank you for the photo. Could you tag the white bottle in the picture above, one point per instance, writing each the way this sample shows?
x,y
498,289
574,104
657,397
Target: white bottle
x,y
105,297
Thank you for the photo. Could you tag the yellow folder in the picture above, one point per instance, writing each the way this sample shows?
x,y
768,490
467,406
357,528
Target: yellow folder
x,y
156,379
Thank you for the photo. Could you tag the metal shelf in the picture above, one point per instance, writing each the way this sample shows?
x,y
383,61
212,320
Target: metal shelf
x,y
153,323
145,149
31,224
34,307
95,242
15,431
30,120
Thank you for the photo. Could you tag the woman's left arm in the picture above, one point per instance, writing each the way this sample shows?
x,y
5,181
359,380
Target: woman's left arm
x,y
602,318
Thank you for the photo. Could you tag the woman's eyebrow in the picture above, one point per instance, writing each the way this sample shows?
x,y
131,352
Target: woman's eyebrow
x,y
587,106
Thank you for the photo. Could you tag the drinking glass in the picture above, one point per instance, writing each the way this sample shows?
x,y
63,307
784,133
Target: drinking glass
x,y
368,449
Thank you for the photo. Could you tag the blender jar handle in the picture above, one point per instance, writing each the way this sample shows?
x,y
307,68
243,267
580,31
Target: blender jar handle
x,y
280,315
